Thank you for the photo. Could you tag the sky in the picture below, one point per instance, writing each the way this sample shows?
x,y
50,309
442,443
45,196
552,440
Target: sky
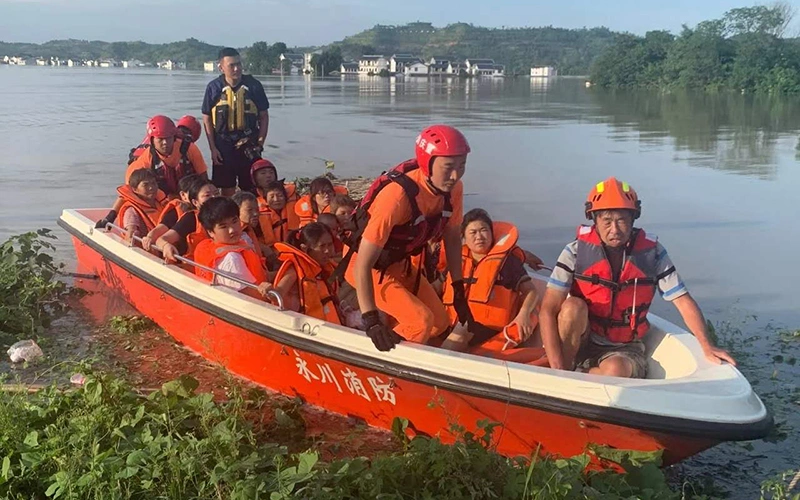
x,y
318,22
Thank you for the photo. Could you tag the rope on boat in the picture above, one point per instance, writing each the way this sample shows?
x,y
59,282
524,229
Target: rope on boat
x,y
272,293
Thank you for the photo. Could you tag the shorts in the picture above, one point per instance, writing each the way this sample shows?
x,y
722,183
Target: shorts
x,y
592,353
235,168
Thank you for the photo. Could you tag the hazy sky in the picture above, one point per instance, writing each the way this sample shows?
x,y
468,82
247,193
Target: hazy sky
x,y
315,22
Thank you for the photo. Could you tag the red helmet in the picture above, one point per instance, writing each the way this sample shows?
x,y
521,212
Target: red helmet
x,y
439,140
191,123
161,126
259,164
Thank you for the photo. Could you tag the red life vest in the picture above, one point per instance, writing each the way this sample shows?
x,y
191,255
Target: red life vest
x,y
208,253
148,213
316,296
493,306
617,307
407,239
176,204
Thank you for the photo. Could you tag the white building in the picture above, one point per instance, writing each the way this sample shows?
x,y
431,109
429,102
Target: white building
x,y
372,64
40,61
399,62
298,62
170,64
416,69
543,71
210,66
472,64
438,66
307,69
133,63
348,68
456,68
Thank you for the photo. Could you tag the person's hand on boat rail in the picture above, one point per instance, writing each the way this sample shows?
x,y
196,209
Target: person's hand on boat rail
x,y
168,251
533,260
147,242
264,288
382,336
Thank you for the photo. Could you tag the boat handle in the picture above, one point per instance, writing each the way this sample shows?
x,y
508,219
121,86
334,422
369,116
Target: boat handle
x,y
271,293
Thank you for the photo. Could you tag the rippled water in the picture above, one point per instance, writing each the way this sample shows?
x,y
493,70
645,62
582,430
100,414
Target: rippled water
x,y
718,175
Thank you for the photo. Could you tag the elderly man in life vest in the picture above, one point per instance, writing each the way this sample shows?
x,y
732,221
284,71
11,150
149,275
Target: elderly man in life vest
x,y
417,201
611,273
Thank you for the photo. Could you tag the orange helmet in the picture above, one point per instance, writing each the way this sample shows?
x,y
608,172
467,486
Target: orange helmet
x,y
612,194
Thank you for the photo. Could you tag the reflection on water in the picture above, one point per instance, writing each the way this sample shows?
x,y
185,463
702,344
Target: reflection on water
x,y
537,145
722,131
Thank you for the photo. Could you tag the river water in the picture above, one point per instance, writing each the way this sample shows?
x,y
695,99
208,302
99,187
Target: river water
x,y
719,175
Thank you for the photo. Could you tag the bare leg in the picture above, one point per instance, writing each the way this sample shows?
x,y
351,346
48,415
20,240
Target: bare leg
x,y
614,366
572,324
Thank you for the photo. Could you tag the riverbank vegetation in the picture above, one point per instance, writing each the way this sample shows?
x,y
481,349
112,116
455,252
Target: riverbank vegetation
x,y
116,436
746,51
30,293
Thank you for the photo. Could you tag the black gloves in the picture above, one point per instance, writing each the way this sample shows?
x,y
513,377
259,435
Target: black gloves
x,y
383,338
110,217
460,303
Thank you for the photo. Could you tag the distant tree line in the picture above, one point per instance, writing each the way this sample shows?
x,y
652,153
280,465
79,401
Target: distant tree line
x,y
745,51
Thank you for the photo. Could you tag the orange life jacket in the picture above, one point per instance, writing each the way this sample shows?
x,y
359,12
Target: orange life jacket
x,y
493,306
256,244
274,226
305,211
617,307
194,239
177,204
148,213
288,211
208,253
166,174
316,296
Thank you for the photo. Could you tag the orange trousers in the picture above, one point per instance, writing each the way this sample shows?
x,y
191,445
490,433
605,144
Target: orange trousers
x,y
419,317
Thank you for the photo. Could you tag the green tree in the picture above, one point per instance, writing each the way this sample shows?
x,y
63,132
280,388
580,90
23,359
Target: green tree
x,y
327,61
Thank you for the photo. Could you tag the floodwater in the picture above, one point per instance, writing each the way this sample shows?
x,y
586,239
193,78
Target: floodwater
x,y
718,175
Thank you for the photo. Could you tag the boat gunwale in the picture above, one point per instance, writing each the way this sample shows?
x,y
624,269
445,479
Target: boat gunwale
x,y
630,418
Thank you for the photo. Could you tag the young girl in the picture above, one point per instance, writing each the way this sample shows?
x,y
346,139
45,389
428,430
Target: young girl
x,y
317,201
142,203
187,232
303,276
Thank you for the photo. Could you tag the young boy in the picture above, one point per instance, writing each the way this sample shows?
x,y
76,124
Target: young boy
x,y
141,205
226,251
174,210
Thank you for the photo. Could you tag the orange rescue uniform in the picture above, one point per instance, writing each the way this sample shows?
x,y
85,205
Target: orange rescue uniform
x,y
422,315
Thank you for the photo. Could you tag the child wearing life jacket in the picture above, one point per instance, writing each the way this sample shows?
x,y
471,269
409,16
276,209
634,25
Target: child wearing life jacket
x,y
264,174
303,276
184,236
142,203
332,222
501,295
342,206
225,250
248,215
317,201
173,210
